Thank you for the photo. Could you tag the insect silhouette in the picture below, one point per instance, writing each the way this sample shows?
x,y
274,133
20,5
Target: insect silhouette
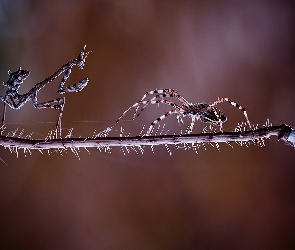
x,y
204,112
15,100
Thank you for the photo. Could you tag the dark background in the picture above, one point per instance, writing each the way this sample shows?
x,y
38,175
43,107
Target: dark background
x,y
238,198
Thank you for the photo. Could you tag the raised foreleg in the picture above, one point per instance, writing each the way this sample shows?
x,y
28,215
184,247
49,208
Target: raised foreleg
x,y
66,69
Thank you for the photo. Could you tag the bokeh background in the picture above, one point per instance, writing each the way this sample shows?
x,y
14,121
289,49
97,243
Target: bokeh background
x,y
235,198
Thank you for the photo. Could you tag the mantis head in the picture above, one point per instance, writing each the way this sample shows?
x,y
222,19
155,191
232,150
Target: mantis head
x,y
16,78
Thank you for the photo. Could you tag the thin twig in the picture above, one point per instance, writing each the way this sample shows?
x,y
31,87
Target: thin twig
x,y
284,132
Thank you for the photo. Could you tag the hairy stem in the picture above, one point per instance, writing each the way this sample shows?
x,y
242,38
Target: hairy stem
x,y
282,131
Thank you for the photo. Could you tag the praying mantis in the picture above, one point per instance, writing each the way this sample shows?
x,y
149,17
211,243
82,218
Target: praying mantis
x,y
15,100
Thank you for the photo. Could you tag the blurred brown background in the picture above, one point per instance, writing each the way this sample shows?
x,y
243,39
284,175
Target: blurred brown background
x,y
238,198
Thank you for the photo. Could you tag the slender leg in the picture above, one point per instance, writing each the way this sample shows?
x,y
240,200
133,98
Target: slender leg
x,y
173,111
3,118
164,93
133,106
158,91
146,103
153,101
56,104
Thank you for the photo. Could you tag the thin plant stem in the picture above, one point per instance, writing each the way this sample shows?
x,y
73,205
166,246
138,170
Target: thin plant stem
x,y
283,132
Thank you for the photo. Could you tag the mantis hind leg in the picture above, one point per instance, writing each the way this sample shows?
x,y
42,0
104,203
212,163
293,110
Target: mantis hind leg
x,y
58,103
3,119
